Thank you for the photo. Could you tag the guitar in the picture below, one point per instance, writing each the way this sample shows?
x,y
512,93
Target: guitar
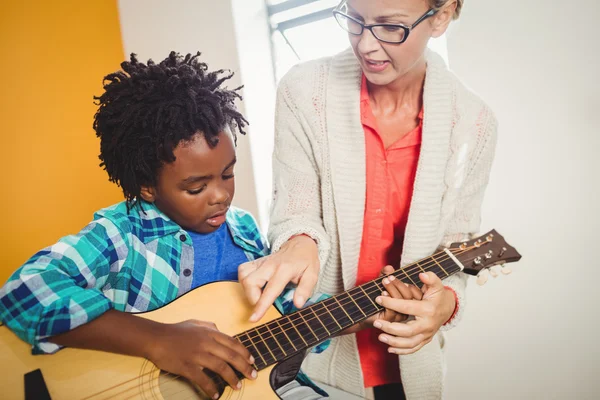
x,y
278,346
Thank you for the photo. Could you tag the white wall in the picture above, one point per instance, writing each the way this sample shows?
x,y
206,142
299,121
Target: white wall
x,y
532,335
152,28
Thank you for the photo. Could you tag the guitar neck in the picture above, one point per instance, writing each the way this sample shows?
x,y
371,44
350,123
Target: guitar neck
x,y
303,329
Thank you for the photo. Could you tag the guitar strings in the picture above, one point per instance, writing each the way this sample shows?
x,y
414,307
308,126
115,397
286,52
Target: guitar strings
x,y
366,288
357,314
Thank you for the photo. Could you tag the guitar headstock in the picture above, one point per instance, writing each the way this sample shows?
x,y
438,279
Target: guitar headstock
x,y
485,252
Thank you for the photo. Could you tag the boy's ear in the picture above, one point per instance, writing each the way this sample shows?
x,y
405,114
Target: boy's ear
x,y
148,194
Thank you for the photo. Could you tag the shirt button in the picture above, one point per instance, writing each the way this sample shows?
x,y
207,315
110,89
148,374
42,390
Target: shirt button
x,y
378,211
182,237
187,272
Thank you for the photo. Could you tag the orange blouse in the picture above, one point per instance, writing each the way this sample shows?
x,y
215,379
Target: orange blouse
x,y
390,177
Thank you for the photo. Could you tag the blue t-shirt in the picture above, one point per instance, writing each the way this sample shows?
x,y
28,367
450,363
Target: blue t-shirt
x,y
216,256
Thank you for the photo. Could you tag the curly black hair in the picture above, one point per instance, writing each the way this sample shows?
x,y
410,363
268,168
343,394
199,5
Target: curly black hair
x,y
146,110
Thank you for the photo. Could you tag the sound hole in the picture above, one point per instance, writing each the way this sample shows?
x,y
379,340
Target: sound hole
x,y
174,387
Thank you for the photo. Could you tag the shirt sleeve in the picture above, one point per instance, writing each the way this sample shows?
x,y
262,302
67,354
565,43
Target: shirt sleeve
x,y
59,288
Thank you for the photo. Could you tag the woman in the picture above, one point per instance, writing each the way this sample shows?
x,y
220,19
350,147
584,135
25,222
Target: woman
x,y
381,156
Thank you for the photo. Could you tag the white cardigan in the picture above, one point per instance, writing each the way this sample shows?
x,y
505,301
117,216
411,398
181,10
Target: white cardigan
x,y
319,190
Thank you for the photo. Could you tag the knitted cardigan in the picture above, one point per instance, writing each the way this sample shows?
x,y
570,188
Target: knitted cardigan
x,y
319,190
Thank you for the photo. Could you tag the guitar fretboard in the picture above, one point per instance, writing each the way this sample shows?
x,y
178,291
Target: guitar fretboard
x,y
281,338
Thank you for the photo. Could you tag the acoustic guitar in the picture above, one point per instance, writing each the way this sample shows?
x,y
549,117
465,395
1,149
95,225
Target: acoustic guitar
x,y
278,345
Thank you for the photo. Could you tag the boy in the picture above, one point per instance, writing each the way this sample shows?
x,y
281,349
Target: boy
x,y
167,138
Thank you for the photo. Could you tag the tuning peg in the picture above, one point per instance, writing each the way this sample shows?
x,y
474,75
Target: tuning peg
x,y
506,270
482,278
493,272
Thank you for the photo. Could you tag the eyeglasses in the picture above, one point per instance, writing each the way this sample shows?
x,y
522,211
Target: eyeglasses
x,y
387,33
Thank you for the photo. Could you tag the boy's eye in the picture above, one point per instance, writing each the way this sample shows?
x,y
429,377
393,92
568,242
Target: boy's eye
x,y
225,177
196,191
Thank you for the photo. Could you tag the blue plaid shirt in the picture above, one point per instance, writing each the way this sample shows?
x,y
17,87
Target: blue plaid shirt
x,y
127,261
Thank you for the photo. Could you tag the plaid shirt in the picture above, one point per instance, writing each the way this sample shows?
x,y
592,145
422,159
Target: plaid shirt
x,y
127,261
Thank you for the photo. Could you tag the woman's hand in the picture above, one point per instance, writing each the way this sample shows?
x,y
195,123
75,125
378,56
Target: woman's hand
x,y
395,289
188,348
435,309
297,261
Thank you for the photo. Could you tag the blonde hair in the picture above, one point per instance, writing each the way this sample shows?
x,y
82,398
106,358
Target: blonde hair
x,y
440,3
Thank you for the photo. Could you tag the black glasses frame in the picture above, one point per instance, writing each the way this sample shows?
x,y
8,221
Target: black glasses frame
x,y
431,12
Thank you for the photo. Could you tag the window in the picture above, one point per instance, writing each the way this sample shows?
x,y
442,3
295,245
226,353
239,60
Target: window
x,y
303,30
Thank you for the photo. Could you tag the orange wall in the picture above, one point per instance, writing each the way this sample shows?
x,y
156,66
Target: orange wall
x,y
53,55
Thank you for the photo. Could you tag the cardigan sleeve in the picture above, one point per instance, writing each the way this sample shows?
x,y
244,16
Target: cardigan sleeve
x,y
466,220
296,203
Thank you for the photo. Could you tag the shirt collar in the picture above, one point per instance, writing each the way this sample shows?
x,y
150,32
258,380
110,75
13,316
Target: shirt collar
x,y
245,233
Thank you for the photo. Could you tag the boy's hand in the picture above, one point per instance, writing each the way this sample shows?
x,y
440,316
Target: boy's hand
x,y
188,347
436,308
396,289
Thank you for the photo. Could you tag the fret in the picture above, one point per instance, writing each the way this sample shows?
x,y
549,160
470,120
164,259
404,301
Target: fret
x,y
447,274
340,315
263,345
316,318
419,265
285,333
369,297
306,332
256,353
325,320
349,293
322,303
408,276
276,340
307,322
293,331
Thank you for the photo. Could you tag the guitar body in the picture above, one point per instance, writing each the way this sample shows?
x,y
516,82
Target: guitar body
x,y
86,374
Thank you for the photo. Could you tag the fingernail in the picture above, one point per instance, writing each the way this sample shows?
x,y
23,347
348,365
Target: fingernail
x,y
239,385
378,300
386,281
391,278
253,317
254,374
383,339
301,300
384,293
252,360
216,396
377,324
